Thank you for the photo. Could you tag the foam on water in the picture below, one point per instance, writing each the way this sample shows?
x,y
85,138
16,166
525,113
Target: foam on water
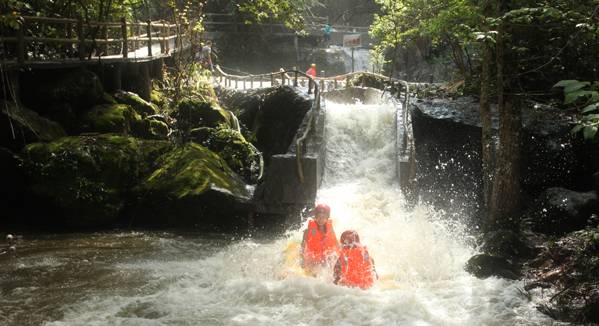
x,y
419,257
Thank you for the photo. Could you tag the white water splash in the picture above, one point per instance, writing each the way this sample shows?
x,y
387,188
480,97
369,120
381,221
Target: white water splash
x,y
419,256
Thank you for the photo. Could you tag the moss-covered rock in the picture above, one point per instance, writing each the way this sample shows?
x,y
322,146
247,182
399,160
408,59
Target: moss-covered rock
x,y
367,80
20,126
158,98
154,129
193,186
192,114
112,118
141,106
241,156
88,177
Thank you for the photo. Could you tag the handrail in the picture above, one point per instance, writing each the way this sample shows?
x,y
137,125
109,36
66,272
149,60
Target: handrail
x,y
77,31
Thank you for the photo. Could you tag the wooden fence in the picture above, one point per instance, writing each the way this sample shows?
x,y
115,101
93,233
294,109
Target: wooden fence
x,y
45,38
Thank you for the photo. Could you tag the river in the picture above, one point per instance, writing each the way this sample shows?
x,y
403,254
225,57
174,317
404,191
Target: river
x,y
186,278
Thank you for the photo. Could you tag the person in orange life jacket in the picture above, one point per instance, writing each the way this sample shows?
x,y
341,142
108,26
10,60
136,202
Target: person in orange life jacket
x,y
320,242
312,70
354,267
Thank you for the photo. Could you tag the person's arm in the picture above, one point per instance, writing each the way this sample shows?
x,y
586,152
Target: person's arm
x,y
302,248
337,271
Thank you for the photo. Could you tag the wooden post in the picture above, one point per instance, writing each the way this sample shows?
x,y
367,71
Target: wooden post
x,y
244,84
282,78
295,76
235,83
272,80
168,40
21,44
149,31
81,38
105,45
252,82
347,82
162,45
335,83
124,34
309,85
260,81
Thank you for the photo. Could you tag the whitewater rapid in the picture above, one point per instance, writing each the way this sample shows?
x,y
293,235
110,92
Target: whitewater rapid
x,y
173,279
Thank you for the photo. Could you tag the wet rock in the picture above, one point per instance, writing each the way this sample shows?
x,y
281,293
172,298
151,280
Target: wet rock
x,y
192,187
558,211
21,126
87,178
447,138
111,118
141,106
269,117
508,243
241,156
484,265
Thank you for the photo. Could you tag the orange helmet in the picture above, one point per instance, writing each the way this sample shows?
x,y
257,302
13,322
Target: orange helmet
x,y
322,208
349,238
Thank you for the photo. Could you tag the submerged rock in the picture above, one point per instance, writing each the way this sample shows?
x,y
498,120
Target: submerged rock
x,y
20,126
88,177
192,187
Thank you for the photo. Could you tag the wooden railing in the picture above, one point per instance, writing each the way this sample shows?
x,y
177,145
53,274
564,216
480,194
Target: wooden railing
x,y
45,38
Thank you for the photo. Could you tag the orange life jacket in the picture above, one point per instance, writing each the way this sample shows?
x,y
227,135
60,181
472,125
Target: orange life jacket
x,y
356,267
319,245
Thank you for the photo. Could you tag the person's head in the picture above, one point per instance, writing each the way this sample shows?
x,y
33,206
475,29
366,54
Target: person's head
x,y
349,238
209,43
313,66
322,212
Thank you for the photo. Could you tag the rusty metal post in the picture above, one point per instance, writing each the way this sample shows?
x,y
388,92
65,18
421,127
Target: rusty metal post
x,y
124,34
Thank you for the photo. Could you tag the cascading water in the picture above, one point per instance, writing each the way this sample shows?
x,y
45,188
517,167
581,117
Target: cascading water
x,y
170,279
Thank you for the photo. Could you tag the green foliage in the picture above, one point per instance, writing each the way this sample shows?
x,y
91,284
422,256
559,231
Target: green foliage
x,y
585,97
289,12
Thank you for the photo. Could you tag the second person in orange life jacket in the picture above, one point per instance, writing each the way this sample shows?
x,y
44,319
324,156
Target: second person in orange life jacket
x,y
319,244
355,267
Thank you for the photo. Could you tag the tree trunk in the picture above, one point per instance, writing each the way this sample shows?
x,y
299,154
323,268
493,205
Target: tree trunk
x,y
487,127
487,149
505,197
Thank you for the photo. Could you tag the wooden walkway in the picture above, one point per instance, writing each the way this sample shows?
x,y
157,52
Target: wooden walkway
x,y
74,41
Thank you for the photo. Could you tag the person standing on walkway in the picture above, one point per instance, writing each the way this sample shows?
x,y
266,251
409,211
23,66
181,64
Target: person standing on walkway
x,y
312,71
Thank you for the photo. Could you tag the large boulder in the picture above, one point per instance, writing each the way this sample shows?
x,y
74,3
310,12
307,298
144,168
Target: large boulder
x,y
558,211
269,117
20,126
241,156
87,178
111,118
192,187
447,136
508,243
191,113
141,106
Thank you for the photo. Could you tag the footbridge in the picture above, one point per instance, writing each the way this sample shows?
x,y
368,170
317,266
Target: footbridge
x,y
293,178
